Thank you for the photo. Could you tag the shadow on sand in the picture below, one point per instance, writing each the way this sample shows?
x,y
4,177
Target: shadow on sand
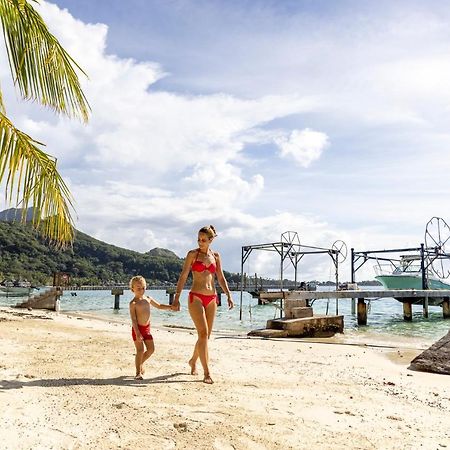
x,y
118,381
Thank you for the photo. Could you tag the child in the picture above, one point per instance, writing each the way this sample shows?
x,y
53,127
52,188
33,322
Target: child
x,y
140,318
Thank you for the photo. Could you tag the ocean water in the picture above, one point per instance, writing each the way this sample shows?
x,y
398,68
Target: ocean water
x,y
385,316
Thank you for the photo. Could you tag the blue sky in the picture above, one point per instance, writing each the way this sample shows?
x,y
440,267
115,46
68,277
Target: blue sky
x,y
326,118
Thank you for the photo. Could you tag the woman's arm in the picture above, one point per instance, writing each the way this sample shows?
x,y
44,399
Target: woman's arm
x,y
182,279
222,281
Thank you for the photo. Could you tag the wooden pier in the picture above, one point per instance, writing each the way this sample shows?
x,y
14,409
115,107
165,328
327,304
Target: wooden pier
x,y
406,296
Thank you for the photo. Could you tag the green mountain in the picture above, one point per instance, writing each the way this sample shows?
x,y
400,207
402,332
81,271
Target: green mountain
x,y
26,255
161,252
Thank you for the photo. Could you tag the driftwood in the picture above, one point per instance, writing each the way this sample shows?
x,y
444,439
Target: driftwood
x,y
436,359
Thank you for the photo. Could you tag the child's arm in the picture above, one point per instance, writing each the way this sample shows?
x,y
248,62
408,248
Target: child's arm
x,y
158,305
134,322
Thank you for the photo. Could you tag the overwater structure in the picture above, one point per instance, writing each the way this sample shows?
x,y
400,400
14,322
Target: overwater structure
x,y
291,250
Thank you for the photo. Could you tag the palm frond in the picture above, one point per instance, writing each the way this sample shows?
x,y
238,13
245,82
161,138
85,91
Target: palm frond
x,y
41,68
2,105
32,179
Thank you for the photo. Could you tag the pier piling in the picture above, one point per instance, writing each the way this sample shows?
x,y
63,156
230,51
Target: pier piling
x,y
446,308
362,312
171,293
425,307
407,311
117,292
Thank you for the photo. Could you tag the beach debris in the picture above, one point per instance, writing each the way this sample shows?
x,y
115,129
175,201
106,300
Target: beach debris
x,y
347,413
181,427
436,359
119,405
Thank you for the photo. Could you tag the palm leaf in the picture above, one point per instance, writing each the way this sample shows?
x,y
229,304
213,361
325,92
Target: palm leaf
x,y
41,68
2,105
32,179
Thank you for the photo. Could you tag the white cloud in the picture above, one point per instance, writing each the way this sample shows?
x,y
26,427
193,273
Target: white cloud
x,y
305,146
154,165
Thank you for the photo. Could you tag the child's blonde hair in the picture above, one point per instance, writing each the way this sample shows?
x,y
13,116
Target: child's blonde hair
x,y
137,279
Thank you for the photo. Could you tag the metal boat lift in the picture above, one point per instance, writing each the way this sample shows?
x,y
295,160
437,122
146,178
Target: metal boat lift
x,y
432,254
289,248
358,259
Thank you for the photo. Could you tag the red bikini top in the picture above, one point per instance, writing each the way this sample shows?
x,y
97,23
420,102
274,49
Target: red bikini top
x,y
199,266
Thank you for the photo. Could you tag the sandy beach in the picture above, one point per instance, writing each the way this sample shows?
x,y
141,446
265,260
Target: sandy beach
x,y
66,382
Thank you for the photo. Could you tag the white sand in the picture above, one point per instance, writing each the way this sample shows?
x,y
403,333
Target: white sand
x,y
67,383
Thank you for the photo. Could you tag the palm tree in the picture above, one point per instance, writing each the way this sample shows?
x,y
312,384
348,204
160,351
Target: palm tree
x,y
43,72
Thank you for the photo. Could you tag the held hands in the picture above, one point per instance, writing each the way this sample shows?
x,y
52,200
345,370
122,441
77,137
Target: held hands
x,y
176,303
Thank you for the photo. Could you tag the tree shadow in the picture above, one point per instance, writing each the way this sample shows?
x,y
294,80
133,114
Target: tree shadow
x,y
118,381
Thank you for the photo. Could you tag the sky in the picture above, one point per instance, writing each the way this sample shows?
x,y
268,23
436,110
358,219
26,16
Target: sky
x,y
329,119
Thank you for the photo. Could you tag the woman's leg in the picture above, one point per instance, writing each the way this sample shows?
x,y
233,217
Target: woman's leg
x,y
203,320
193,361
210,313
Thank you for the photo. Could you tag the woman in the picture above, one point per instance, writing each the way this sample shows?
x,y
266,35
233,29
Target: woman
x,y
205,265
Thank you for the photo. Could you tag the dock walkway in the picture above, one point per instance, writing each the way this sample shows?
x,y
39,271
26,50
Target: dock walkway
x,y
407,296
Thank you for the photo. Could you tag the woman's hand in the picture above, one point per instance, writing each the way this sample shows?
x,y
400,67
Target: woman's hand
x,y
175,306
230,302
176,303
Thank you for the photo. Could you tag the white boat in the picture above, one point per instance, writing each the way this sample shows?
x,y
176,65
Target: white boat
x,y
15,288
407,275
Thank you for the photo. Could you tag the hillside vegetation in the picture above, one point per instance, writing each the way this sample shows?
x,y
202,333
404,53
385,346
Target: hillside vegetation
x,y
25,255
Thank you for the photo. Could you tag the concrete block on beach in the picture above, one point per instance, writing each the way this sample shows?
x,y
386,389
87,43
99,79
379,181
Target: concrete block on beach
x,y
317,326
435,359
300,312
293,304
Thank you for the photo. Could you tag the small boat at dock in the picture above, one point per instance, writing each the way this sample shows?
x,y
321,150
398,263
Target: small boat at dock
x,y
408,275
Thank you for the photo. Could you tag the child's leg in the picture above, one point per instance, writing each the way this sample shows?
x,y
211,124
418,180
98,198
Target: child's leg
x,y
138,358
149,352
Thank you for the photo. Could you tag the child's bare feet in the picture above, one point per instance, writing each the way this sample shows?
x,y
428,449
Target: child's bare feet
x,y
139,377
193,368
208,379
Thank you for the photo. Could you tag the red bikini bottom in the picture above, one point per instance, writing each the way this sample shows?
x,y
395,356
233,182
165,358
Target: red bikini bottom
x,y
205,299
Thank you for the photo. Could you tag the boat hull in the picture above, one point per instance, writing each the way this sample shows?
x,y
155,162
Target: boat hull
x,y
402,281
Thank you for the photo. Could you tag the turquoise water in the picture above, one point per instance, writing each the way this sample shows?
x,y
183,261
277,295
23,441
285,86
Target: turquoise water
x,y
385,316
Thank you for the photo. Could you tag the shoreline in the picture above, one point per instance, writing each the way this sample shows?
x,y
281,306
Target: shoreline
x,y
67,382
351,336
